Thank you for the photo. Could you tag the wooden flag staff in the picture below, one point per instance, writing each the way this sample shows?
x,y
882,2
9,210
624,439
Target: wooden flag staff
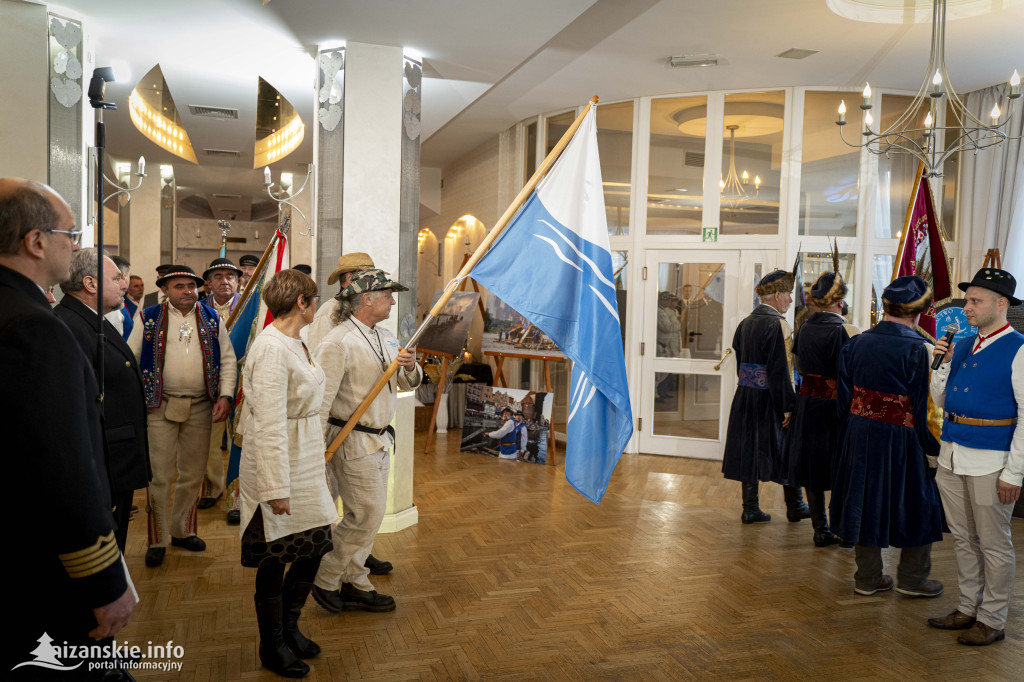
x,y
453,285
251,284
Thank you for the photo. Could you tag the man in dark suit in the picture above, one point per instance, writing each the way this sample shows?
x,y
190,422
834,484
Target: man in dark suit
x,y
70,581
124,406
156,297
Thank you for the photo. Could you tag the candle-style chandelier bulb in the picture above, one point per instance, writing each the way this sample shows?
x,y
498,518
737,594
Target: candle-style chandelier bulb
x,y
928,120
995,113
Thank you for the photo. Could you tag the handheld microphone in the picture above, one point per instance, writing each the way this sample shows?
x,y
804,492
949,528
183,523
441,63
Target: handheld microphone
x,y
951,331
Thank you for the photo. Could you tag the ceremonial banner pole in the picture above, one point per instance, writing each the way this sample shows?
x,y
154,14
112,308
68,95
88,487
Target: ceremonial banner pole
x,y
453,285
898,260
247,292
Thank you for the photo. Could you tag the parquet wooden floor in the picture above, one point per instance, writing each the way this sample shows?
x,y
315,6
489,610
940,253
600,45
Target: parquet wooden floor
x,y
512,575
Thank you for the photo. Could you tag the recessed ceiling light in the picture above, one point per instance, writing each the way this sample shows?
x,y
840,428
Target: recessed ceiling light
x,y
687,60
796,53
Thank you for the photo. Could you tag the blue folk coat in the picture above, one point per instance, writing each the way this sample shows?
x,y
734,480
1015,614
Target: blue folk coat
x,y
884,492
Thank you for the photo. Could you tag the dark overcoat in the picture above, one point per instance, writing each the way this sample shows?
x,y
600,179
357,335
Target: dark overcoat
x,y
753,443
884,492
63,562
812,441
124,405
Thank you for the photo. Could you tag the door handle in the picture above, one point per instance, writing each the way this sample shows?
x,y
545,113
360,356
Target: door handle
x,y
719,365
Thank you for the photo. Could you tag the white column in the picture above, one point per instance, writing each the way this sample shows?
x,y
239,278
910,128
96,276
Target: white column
x,y
24,138
144,228
371,215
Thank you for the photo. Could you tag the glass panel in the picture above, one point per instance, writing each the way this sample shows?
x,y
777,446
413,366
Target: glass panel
x,y
530,152
687,405
620,270
752,162
690,310
675,180
813,265
829,171
896,172
556,127
758,274
615,147
881,275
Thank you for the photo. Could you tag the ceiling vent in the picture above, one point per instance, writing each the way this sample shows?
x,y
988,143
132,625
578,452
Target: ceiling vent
x,y
796,53
227,153
212,112
227,196
688,60
694,159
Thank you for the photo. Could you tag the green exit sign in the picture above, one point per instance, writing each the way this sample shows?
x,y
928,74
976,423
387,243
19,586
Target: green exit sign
x,y
709,234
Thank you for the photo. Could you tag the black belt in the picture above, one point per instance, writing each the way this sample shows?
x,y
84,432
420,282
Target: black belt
x,y
362,429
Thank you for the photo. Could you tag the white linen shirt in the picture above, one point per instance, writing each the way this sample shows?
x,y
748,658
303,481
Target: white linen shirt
x,y
282,444
966,461
348,356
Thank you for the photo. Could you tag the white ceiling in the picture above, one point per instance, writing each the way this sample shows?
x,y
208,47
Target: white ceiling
x,y
489,64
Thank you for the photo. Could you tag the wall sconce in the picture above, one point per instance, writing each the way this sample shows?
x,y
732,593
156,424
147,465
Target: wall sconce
x,y
286,199
123,171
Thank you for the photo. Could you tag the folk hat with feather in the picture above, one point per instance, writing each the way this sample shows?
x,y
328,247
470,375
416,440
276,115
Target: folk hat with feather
x,y
778,281
829,289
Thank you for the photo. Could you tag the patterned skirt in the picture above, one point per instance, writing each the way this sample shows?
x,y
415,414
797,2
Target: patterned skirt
x,y
310,543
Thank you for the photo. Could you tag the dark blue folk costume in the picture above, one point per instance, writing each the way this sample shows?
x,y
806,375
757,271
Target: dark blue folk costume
x,y
884,491
764,397
813,439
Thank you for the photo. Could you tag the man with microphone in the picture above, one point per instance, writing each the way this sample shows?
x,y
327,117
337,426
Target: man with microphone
x,y
980,386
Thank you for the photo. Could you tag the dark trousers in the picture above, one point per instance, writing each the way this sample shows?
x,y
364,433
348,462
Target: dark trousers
x,y
122,514
914,567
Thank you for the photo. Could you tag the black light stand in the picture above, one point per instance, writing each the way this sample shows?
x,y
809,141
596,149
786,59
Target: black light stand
x,y
100,77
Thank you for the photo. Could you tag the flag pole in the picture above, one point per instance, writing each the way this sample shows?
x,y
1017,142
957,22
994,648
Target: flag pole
x,y
467,267
251,284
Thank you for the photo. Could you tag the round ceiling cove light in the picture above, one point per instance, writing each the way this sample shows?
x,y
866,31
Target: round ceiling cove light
x,y
155,116
752,119
913,11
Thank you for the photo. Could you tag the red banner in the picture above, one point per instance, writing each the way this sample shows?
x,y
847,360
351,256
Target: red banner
x,y
921,251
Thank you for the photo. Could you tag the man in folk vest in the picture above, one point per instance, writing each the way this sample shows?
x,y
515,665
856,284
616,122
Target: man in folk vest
x,y
980,386
507,436
188,371
222,279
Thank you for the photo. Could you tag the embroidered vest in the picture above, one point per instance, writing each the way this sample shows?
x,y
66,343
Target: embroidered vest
x,y
979,386
510,442
154,338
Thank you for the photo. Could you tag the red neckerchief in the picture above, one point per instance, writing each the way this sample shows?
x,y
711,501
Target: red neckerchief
x,y
988,336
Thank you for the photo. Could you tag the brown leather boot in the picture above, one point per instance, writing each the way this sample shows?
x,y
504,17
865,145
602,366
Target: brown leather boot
x,y
981,635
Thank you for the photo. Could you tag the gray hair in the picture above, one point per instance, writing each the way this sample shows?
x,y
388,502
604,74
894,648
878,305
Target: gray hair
x,y
25,209
348,306
122,264
83,264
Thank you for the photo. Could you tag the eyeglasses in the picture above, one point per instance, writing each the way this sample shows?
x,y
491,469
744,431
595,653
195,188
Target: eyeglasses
x,y
74,235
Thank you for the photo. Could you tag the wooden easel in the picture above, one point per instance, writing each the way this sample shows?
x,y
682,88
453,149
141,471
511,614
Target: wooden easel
x,y
476,287
445,361
499,360
993,259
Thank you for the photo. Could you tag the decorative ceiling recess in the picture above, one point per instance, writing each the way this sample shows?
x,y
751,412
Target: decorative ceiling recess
x,y
913,11
154,114
279,129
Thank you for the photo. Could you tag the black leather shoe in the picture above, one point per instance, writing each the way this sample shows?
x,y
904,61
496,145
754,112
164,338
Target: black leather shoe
x,y
191,543
155,556
755,516
354,599
234,517
330,600
825,539
378,567
207,502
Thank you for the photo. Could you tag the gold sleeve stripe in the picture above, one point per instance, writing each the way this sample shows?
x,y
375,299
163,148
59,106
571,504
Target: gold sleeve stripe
x,y
91,559
100,564
91,549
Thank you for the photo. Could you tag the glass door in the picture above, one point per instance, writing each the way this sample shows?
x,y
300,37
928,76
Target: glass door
x,y
690,312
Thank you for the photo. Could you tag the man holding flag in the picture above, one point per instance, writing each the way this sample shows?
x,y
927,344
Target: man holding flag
x,y
566,289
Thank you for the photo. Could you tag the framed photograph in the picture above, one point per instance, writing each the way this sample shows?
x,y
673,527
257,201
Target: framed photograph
x,y
447,334
506,331
507,423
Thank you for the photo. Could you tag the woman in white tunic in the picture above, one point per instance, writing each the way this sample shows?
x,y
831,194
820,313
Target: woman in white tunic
x,y
286,506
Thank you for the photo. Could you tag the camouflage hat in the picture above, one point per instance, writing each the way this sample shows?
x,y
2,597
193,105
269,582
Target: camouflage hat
x,y
370,280
350,262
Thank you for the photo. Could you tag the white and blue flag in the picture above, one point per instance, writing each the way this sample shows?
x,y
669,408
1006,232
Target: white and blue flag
x,y
553,264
